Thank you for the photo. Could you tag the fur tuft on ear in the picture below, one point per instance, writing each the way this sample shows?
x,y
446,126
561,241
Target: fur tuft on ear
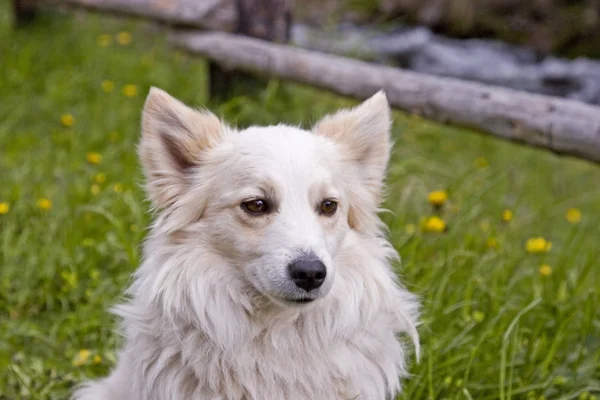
x,y
174,136
363,134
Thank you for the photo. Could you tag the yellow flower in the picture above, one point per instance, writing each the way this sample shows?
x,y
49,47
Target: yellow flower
x,y
538,245
95,189
478,316
104,40
507,215
93,158
481,162
573,215
545,270
434,224
100,177
97,359
124,38
4,207
118,187
492,243
67,120
438,197
81,357
44,204
130,90
409,228
108,86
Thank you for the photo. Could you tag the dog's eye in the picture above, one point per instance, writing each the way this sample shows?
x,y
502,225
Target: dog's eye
x,y
328,207
255,207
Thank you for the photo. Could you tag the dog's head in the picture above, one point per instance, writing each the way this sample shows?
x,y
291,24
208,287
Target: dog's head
x,y
277,202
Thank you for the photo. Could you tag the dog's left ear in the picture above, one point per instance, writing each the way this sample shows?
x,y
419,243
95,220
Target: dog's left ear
x,y
363,133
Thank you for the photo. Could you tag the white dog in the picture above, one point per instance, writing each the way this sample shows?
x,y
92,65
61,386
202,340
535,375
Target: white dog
x,y
266,274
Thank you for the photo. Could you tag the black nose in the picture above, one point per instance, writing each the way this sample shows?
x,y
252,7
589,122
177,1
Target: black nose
x,y
308,273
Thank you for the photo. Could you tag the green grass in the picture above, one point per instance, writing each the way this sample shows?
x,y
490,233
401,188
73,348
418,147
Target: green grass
x,y
493,326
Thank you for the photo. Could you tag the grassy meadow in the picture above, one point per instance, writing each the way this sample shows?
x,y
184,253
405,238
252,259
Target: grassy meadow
x,y
507,264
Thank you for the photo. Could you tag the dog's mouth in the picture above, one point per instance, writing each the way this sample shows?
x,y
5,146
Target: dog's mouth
x,y
303,300
298,301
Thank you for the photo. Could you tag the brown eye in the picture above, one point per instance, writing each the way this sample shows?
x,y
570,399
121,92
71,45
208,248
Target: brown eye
x,y
255,207
328,207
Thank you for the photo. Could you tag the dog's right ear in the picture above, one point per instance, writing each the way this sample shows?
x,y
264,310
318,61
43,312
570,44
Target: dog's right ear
x,y
174,138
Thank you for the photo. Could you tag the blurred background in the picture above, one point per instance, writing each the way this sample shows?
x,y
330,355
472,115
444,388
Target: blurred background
x,y
499,239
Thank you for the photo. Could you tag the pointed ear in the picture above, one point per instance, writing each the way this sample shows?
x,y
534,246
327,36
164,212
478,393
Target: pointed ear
x,y
174,137
363,133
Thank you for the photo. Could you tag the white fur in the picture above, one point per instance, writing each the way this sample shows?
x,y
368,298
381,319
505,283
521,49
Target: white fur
x,y
209,317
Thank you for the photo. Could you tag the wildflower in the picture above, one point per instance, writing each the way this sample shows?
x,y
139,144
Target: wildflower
x,y
118,187
81,357
538,245
573,215
44,204
93,157
545,270
481,163
492,243
104,40
434,224
100,177
95,189
4,207
108,86
507,215
97,359
478,316
409,228
438,197
124,38
130,90
67,120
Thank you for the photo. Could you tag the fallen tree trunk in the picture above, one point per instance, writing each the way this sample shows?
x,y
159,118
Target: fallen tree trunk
x,y
221,15
560,125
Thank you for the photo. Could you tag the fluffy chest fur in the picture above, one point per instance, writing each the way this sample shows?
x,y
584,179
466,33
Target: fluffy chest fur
x,y
345,346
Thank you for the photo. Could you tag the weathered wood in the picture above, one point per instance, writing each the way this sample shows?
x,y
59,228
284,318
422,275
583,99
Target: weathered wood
x,y
560,125
263,19
221,15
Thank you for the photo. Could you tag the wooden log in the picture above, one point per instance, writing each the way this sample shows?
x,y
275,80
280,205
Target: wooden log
x,y
559,125
221,15
24,11
262,19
